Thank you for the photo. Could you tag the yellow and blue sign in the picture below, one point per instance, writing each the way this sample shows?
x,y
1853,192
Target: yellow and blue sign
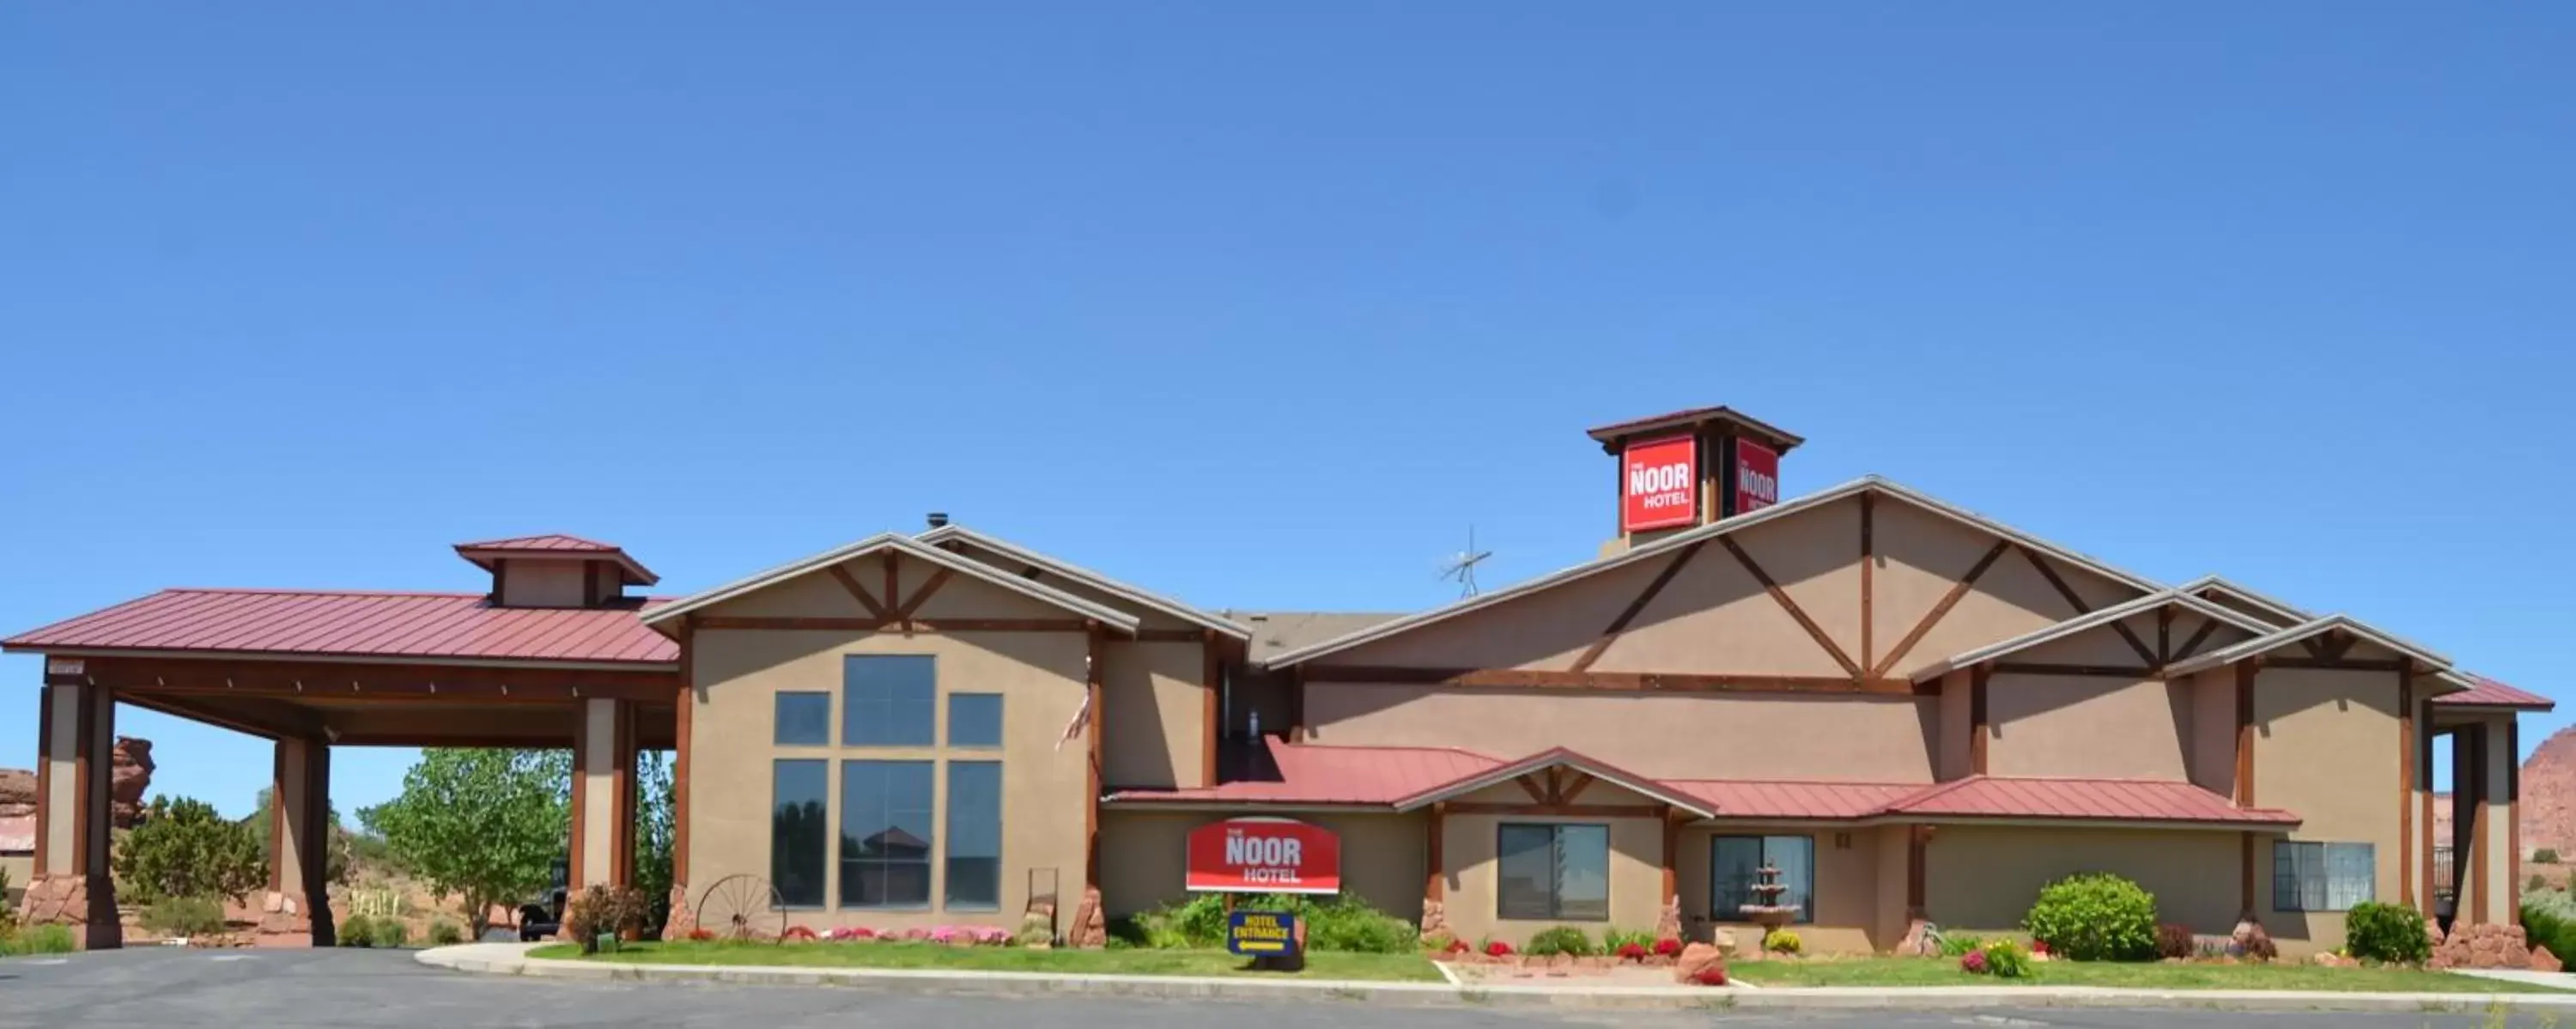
x,y
1261,933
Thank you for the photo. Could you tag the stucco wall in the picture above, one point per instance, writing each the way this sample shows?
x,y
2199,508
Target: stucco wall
x,y
2086,726
1155,721
535,582
1833,738
1922,555
21,869
2213,730
1144,861
1982,878
1038,674
2326,747
1469,848
1957,725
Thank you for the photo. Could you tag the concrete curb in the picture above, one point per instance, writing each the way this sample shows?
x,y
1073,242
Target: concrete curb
x,y
512,959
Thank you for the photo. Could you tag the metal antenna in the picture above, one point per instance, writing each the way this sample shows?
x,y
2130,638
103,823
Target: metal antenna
x,y
1463,566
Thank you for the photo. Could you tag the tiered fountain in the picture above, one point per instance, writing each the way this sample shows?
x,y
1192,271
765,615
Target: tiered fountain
x,y
1768,912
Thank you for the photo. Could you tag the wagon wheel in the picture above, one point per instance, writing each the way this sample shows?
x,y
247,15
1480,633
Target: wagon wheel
x,y
742,907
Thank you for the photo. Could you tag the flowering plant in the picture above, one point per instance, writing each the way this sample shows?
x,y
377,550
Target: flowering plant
x,y
702,934
797,933
1973,962
1498,949
1456,947
1668,947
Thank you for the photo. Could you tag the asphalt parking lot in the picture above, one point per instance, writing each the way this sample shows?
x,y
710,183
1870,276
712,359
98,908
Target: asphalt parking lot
x,y
165,988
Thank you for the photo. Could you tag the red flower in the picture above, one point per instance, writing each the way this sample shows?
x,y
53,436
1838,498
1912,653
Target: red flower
x,y
702,934
1632,952
797,932
1668,947
1713,975
1457,947
1498,949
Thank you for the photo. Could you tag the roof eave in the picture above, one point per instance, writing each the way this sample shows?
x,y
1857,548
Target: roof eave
x,y
2081,624
1095,580
668,614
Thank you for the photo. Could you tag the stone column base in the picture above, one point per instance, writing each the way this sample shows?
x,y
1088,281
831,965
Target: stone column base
x,y
682,920
55,900
1918,940
284,920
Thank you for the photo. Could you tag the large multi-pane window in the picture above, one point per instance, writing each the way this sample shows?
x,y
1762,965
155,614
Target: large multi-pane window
x,y
975,720
974,880
889,700
804,720
798,833
1735,866
886,834
2321,876
1554,872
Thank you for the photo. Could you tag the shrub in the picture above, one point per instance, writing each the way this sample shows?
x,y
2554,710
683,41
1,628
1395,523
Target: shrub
x,y
1497,949
1342,923
2257,945
1961,944
1631,952
1973,962
2173,941
392,932
41,939
1614,939
2536,884
2094,916
2386,932
1782,941
2006,960
443,933
2544,856
184,916
1562,939
2548,925
182,848
358,931
601,911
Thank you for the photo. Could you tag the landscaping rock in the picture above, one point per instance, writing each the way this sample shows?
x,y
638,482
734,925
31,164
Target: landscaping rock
x,y
682,919
129,777
1090,928
1435,922
2483,946
1668,924
2544,961
1694,958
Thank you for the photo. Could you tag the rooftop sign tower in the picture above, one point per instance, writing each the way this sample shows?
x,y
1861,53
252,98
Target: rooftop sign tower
x,y
1691,468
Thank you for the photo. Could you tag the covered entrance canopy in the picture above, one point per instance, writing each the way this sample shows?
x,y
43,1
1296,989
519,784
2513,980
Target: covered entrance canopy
x,y
553,656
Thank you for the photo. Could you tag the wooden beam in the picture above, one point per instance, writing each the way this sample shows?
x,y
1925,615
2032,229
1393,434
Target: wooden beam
x,y
481,684
920,596
1635,607
263,725
1574,785
1211,683
2164,635
893,599
1172,635
2338,643
1095,672
2049,572
1530,785
1931,618
2044,668
1979,724
1781,597
84,786
2191,645
2245,672
2245,877
2406,791
2513,821
1918,839
1868,559
851,583
1434,877
1672,844
684,720
2477,812
2424,801
1645,682
574,880
277,817
1551,810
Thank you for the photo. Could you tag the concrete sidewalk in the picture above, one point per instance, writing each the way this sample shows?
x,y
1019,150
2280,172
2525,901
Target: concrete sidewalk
x,y
512,959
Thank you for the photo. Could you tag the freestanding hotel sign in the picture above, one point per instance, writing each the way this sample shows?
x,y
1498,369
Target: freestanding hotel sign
x,y
1659,481
1264,855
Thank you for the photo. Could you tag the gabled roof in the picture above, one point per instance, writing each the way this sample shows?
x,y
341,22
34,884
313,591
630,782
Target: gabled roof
x,y
1137,595
2079,624
2280,613
909,547
2307,630
1796,801
342,625
557,545
1557,757
1322,776
1668,544
2119,800
2480,691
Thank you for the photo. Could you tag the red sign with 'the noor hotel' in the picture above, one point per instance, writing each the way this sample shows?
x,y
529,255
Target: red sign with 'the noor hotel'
x,y
1659,483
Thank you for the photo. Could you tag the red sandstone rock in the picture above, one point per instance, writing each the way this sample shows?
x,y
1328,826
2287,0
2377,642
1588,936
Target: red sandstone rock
x,y
1694,958
1090,928
2544,961
129,775
682,919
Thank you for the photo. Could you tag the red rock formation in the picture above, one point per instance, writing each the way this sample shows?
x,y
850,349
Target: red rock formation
x,y
17,793
129,775
2549,795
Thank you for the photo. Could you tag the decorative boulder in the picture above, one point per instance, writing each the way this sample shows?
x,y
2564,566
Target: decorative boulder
x,y
2544,961
1696,958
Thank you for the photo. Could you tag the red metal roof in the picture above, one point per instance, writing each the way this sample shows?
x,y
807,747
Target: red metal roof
x,y
1335,775
353,624
1735,798
2122,800
557,545
2489,693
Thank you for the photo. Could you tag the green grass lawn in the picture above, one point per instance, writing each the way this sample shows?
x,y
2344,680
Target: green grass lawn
x,y
1375,967
2131,975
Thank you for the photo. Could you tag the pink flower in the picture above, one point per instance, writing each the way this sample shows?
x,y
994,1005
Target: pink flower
x,y
1973,962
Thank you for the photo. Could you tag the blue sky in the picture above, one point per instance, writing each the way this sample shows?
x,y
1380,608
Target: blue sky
x,y
1266,306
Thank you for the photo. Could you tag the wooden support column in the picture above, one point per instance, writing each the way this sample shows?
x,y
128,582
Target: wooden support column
x,y
1094,669
2246,670
2468,824
1672,854
621,856
2424,870
1868,559
2245,878
1918,839
577,847
2406,789
45,700
685,721
1978,730
313,838
2513,819
1434,847
1212,678
105,930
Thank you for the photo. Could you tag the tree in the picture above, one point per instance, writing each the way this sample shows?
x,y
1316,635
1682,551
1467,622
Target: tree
x,y
182,848
338,838
486,825
653,835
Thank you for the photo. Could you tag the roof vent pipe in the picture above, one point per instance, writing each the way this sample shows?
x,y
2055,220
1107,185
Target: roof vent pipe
x,y
937,519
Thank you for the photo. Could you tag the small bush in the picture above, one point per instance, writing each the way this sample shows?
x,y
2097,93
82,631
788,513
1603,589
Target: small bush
x,y
1630,952
601,911
392,933
1782,941
2547,925
1497,949
2173,941
1342,923
1614,939
184,916
2536,884
358,931
1973,962
1562,939
2095,916
2544,856
2392,933
41,939
443,933
1668,948
1961,944
2006,960
2258,945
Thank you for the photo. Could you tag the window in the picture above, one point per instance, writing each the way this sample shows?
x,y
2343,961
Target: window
x,y
888,700
797,836
2321,876
974,836
1554,873
975,719
885,834
1735,866
804,720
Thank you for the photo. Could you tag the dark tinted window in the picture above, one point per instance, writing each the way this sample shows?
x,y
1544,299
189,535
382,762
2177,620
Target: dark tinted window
x,y
797,832
1554,872
975,719
974,836
886,834
804,720
889,700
